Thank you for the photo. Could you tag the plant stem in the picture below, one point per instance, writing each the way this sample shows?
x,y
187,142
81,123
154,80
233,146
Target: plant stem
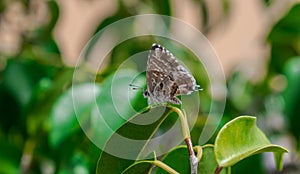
x,y
187,138
27,156
198,152
193,159
218,170
165,167
183,121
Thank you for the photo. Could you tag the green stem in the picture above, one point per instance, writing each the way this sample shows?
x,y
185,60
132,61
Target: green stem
x,y
187,138
164,166
184,125
198,149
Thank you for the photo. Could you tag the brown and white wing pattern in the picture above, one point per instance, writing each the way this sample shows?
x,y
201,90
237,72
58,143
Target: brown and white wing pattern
x,y
166,77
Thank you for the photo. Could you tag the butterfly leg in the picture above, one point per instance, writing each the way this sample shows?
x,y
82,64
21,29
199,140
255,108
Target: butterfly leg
x,y
175,100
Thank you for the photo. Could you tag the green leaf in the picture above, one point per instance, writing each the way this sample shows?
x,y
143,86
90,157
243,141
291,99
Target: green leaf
x,y
241,138
112,106
246,166
128,142
208,163
47,92
284,39
292,94
178,159
139,167
287,29
17,73
77,164
63,116
100,109
146,166
10,157
143,166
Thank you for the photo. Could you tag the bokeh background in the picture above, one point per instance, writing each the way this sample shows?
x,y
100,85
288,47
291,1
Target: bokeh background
x,y
257,41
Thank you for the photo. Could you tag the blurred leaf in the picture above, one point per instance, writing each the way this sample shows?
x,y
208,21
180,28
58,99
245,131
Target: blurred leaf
x,y
241,138
2,6
18,80
163,7
63,116
112,106
54,10
10,111
285,38
38,43
240,92
292,94
9,158
76,165
46,92
287,30
124,147
102,107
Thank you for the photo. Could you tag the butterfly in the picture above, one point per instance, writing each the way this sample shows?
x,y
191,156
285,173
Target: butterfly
x,y
166,78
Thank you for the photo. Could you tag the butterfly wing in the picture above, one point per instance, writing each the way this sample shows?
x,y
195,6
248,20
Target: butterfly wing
x,y
166,77
160,59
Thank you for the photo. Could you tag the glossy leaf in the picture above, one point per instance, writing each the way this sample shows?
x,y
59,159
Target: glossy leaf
x,y
178,159
146,166
63,116
241,138
93,104
139,167
143,166
113,106
124,147
208,163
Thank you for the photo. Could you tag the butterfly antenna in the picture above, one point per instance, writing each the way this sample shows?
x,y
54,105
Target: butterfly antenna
x,y
198,88
135,87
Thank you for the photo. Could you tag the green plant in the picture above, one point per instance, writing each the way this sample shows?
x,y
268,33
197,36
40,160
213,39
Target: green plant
x,y
39,130
238,139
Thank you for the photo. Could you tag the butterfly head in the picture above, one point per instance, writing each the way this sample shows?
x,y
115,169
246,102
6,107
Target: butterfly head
x,y
156,47
146,94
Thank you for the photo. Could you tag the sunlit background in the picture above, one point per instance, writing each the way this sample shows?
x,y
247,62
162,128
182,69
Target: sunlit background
x,y
257,41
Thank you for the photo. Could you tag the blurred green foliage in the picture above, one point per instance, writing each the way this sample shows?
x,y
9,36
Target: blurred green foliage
x,y
38,124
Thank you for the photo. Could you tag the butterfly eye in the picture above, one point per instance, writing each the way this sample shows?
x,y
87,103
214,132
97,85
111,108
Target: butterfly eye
x,y
146,94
